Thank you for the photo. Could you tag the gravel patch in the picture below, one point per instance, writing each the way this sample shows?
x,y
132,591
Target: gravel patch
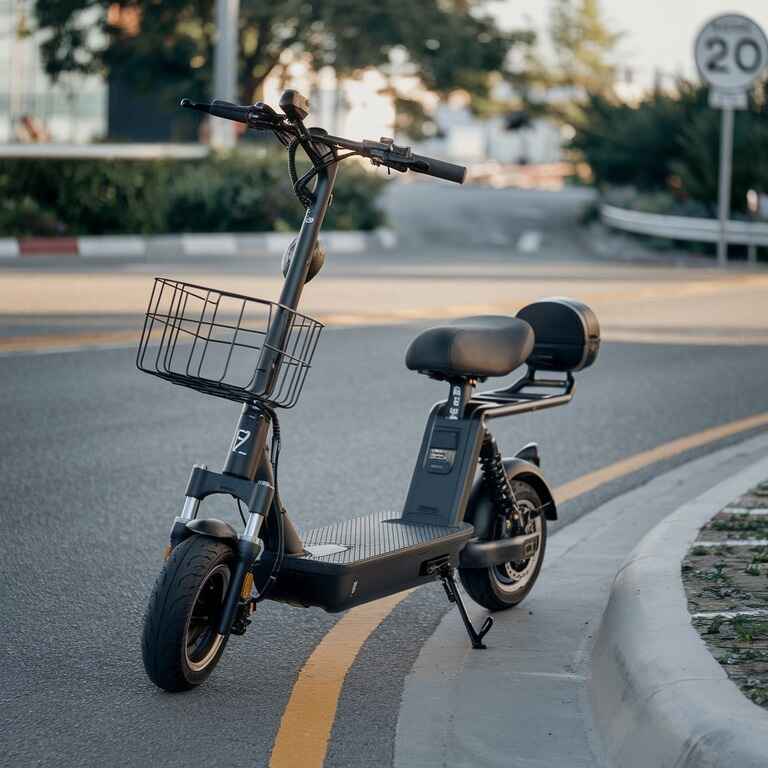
x,y
726,583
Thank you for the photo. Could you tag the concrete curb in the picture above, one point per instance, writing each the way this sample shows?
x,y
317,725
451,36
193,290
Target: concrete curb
x,y
187,245
658,696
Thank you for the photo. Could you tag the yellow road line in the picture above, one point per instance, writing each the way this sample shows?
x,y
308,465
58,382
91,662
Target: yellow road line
x,y
65,341
626,466
50,342
308,718
305,728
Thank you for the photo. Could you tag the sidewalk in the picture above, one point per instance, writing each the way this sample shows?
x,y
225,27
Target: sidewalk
x,y
659,695
526,700
69,302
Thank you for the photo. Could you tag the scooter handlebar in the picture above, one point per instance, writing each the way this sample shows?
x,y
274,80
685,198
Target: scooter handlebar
x,y
438,168
383,152
219,108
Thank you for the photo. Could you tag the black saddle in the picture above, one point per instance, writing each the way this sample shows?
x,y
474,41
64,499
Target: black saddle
x,y
485,345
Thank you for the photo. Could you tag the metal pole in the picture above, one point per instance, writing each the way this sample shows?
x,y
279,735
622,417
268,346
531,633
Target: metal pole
x,y
223,134
724,201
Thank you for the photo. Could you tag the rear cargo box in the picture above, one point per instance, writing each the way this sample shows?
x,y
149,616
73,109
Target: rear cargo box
x,y
567,334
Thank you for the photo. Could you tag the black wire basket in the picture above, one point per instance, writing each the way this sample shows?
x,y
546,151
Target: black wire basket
x,y
226,344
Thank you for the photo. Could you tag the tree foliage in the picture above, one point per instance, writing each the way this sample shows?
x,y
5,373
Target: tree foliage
x,y
584,46
449,44
671,142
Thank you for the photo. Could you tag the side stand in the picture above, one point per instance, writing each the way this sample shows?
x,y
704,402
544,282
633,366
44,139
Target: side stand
x,y
452,591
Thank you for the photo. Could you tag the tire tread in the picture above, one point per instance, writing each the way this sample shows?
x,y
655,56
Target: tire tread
x,y
477,581
166,616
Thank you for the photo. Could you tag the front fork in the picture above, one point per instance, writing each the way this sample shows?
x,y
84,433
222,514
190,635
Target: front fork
x,y
247,551
238,479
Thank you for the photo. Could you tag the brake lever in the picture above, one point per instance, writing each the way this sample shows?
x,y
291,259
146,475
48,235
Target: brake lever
x,y
386,152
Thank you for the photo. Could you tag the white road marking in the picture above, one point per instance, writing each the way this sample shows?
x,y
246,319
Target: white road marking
x,y
117,246
730,614
733,543
194,245
529,241
747,511
9,248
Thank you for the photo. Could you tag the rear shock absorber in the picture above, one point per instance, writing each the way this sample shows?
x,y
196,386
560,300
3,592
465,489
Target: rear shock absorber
x,y
497,483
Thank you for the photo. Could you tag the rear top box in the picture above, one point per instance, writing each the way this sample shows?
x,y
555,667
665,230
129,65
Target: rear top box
x,y
567,334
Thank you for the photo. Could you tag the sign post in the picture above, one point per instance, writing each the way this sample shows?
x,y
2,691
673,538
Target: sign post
x,y
731,52
223,135
724,182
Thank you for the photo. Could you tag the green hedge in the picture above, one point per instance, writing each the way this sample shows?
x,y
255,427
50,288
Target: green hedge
x,y
244,192
670,143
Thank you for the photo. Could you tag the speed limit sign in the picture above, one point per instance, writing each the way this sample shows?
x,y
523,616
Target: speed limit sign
x,y
731,51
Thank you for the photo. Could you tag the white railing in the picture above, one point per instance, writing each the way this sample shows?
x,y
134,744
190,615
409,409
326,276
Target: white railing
x,y
106,151
684,227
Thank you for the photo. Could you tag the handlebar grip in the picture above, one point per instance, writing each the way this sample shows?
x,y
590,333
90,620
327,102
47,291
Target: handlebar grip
x,y
439,169
229,111
219,108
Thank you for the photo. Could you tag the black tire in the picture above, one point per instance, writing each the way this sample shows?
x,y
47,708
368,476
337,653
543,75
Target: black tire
x,y
181,649
507,585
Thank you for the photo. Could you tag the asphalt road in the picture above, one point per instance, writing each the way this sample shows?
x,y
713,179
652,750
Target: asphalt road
x,y
94,462
94,458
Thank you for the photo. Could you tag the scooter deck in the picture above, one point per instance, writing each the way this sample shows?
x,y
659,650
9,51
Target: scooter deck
x,y
362,559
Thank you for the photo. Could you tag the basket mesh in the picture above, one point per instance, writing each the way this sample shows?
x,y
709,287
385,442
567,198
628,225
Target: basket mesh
x,y
226,344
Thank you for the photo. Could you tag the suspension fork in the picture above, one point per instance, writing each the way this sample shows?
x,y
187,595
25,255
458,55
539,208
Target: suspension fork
x,y
246,454
247,551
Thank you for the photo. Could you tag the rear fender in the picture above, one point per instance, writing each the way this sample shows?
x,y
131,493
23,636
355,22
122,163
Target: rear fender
x,y
480,509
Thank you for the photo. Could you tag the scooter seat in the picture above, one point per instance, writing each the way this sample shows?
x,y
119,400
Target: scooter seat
x,y
480,346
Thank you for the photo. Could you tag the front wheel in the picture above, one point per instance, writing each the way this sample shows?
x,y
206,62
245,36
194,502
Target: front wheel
x,y
503,586
181,644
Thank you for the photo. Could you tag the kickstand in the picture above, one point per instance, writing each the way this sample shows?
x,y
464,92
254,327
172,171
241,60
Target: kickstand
x,y
452,591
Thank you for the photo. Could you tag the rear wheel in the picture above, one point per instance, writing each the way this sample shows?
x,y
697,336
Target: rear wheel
x,y
505,585
181,644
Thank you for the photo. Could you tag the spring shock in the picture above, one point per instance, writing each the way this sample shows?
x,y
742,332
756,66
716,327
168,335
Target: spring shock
x,y
496,481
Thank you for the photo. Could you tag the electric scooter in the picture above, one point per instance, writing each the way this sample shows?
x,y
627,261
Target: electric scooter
x,y
467,508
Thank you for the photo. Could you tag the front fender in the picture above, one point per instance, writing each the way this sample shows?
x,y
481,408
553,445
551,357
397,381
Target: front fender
x,y
215,529
480,510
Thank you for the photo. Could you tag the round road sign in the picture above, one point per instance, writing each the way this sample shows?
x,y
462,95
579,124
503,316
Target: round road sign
x,y
731,51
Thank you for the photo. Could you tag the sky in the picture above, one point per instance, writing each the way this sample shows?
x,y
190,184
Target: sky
x,y
658,33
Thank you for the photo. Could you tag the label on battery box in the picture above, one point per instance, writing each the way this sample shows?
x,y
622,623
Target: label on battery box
x,y
441,453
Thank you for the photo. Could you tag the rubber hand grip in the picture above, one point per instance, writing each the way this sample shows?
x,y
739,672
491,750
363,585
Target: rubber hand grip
x,y
219,108
230,111
439,169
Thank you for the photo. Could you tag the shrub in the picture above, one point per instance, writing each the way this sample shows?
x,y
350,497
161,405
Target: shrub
x,y
671,143
241,192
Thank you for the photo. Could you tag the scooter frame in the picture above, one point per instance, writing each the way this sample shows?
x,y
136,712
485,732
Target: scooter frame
x,y
455,434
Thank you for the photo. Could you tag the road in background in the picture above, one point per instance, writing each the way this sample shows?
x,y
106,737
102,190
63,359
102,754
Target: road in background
x,y
461,251
95,459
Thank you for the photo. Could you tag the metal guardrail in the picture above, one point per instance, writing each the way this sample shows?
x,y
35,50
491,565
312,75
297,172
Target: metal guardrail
x,y
684,227
106,151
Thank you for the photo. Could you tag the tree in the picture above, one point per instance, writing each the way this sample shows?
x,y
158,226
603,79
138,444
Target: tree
x,y
583,46
450,44
670,143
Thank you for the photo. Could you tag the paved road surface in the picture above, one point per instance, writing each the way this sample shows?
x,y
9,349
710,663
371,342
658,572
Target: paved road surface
x,y
95,458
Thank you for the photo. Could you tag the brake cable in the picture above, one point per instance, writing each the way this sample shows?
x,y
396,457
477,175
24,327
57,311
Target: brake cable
x,y
277,509
306,198
300,184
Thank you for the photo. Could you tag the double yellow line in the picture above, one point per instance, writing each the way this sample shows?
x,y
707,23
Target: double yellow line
x,y
305,729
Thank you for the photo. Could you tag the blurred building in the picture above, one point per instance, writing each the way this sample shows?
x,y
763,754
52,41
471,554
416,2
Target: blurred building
x,y
463,136
32,107
82,109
